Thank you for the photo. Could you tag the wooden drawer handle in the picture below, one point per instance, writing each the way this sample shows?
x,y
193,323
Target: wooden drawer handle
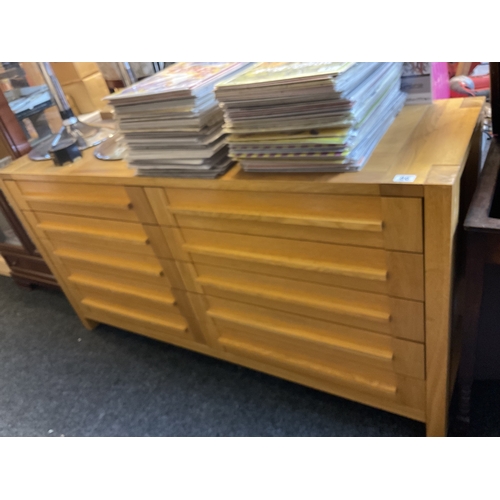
x,y
332,223
313,369
302,335
348,271
107,261
355,312
109,286
106,235
89,202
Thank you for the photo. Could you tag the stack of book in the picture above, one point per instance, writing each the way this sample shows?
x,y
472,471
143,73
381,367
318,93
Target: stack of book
x,y
171,122
309,117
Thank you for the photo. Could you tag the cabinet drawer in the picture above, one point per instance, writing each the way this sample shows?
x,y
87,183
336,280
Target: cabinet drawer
x,y
26,263
92,200
399,274
337,376
400,318
381,222
126,233
151,326
87,232
97,277
323,340
152,311
124,261
133,299
119,272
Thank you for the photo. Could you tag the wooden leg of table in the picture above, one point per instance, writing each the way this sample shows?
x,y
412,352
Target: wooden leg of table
x,y
471,308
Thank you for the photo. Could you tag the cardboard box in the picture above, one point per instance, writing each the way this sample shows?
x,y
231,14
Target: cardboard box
x,y
88,93
72,72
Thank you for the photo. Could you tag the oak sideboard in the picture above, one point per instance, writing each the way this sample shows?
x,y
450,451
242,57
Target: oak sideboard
x,y
341,282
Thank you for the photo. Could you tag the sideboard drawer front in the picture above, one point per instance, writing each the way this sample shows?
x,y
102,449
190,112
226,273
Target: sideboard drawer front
x,y
337,372
399,318
26,263
391,223
398,274
155,313
361,237
126,274
324,340
100,278
132,321
128,234
92,200
163,304
124,261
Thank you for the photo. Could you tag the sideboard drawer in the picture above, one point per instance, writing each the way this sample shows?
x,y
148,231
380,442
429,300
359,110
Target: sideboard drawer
x,y
399,274
125,233
161,328
338,373
399,318
323,340
149,278
381,222
91,200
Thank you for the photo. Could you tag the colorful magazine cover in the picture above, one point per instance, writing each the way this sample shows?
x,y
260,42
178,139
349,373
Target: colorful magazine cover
x,y
179,77
267,72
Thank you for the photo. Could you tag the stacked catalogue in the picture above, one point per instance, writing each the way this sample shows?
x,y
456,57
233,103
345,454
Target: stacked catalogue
x,y
309,117
172,123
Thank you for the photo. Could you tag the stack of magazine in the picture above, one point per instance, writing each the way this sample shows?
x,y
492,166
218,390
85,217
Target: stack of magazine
x,y
309,117
172,123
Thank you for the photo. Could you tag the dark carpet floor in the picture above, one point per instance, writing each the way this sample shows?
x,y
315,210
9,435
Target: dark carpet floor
x,y
56,378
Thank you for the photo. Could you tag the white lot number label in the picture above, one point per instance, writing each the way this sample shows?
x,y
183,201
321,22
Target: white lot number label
x,y
404,178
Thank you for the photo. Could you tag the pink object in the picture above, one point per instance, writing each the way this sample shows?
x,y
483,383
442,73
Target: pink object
x,y
440,80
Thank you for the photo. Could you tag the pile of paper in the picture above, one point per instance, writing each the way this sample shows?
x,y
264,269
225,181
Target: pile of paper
x,y
172,123
309,117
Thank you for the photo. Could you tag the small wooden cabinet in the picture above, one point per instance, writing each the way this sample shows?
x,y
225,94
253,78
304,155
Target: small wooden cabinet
x,y
342,282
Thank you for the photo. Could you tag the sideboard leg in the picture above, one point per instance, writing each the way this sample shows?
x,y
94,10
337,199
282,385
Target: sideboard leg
x,y
89,324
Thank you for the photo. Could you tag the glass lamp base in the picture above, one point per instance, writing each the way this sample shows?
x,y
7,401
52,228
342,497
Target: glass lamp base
x,y
85,135
113,148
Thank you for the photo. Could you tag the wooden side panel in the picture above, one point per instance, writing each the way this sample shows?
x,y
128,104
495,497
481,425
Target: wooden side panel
x,y
46,254
441,215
